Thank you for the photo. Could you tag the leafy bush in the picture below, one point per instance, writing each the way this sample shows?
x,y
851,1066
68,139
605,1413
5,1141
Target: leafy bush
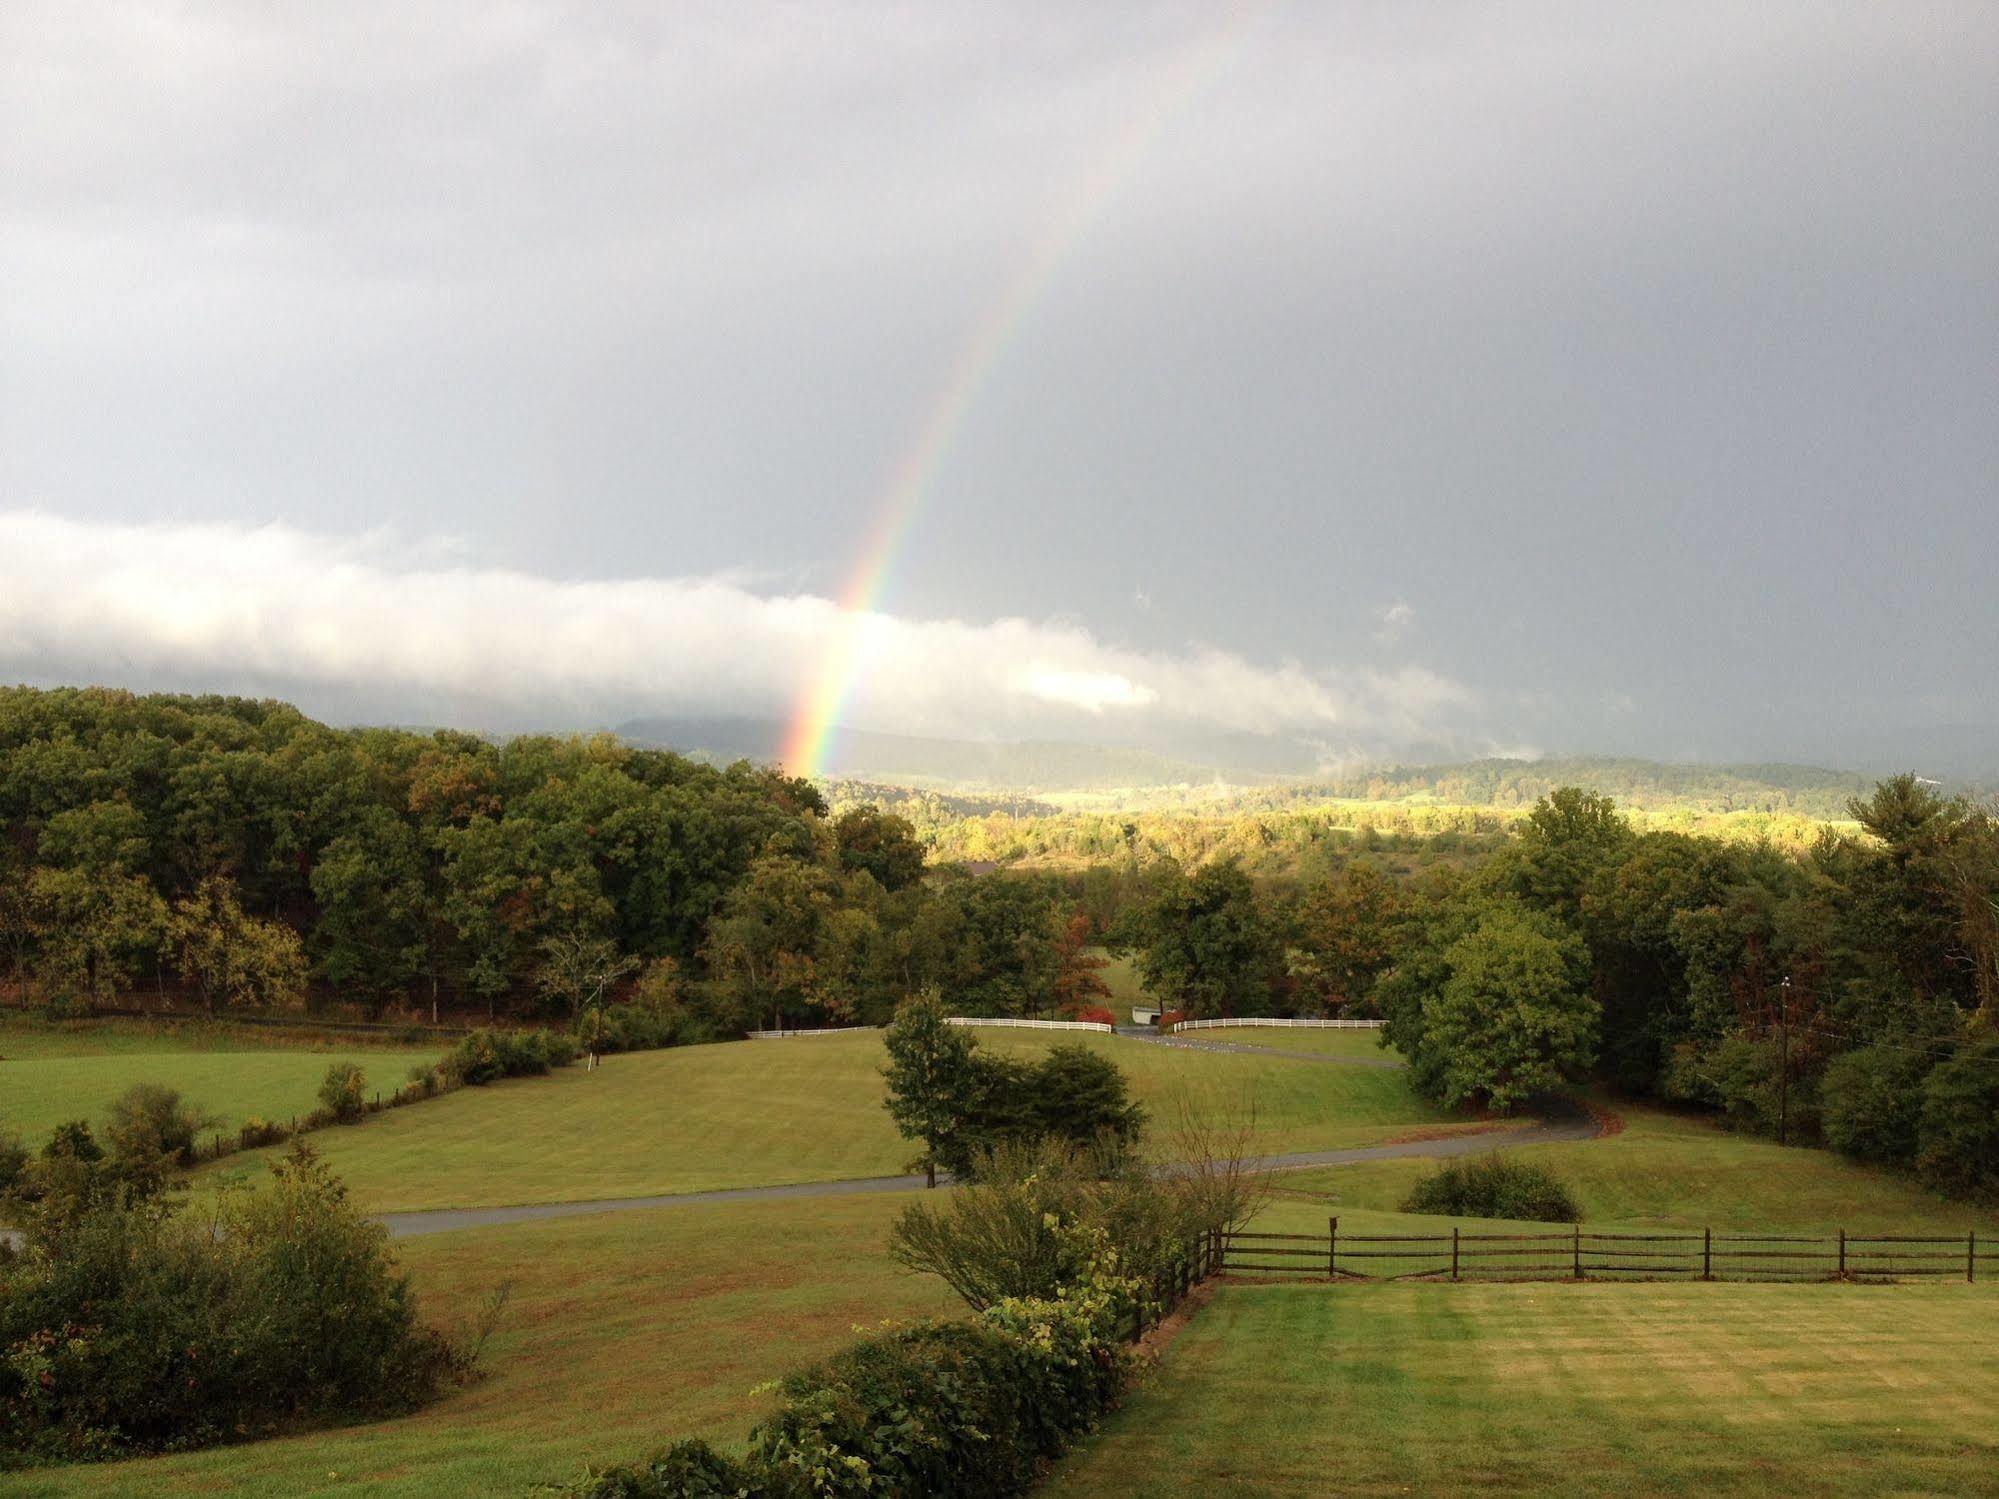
x,y
1494,1186
14,1160
255,1132
968,1409
1096,1015
150,1124
487,1055
344,1093
686,1470
1041,1215
126,1327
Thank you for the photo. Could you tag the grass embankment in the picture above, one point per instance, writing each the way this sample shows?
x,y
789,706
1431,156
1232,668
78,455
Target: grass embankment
x,y
768,1113
625,1330
1540,1389
51,1073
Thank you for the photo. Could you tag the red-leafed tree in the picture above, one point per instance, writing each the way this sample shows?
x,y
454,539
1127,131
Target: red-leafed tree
x,y
1077,985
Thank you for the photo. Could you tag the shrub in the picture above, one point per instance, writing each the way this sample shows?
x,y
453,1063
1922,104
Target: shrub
x,y
126,1327
1493,1186
972,1409
686,1470
344,1093
72,1139
151,1124
1079,1095
1096,1015
1041,1215
14,1159
486,1056
254,1133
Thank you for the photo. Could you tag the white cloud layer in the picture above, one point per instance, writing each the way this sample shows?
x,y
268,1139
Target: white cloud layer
x,y
390,627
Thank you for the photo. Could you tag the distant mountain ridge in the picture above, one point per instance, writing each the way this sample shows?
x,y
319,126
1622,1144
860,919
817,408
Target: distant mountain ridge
x,y
864,765
916,761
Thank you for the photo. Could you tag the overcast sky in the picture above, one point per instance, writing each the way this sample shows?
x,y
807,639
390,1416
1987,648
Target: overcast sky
x,y
1575,376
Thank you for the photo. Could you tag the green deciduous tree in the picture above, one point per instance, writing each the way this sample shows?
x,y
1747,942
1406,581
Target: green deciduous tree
x,y
1513,1018
933,1084
1204,943
235,960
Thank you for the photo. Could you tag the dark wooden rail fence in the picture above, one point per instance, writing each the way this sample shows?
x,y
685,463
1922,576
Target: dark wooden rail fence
x,y
1580,1253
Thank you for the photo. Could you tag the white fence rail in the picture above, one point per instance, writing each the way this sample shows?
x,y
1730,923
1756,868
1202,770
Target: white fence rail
x,y
1272,1020
1031,1025
824,1030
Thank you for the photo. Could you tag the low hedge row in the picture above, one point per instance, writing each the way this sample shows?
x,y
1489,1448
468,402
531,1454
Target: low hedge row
x,y
976,1408
482,1057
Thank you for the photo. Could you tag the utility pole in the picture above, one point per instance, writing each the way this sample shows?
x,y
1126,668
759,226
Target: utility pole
x,y
1784,1067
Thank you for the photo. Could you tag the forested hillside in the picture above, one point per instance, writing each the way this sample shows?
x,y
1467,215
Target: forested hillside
x,y
241,854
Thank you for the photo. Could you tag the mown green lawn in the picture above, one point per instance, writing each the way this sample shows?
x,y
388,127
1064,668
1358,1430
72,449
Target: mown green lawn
x,y
625,1331
763,1113
49,1074
1333,1043
1668,1170
1298,1391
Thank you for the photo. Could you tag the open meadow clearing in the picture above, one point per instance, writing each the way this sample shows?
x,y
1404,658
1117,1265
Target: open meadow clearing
x,y
769,1113
51,1073
1298,1391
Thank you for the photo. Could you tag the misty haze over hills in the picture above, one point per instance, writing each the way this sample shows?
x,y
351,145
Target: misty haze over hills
x,y
1968,759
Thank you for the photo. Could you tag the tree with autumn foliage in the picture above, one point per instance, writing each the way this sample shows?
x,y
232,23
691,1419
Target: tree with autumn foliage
x,y
1078,984
1349,931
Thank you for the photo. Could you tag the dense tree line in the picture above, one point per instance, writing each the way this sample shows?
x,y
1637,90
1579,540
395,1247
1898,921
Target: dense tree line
x,y
1846,993
251,857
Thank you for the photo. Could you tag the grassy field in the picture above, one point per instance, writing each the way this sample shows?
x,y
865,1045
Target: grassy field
x,y
1582,1390
1361,1044
1121,976
1664,1171
50,1073
766,1113
625,1330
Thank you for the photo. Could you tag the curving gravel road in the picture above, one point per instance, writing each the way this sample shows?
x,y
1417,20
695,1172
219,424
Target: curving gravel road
x,y
1567,1123
1563,1122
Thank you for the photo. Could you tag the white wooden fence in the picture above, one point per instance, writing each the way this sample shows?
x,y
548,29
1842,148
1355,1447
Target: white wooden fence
x,y
1031,1025
824,1030
1274,1020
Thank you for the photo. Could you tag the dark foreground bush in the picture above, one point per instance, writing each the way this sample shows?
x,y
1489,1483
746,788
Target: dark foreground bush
x,y
973,1409
1492,1186
128,1327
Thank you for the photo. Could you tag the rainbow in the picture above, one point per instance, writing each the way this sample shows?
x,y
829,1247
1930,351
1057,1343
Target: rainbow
x,y
816,718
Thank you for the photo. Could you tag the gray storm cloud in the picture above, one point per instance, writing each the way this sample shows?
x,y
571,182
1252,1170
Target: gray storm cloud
x,y
1587,354
207,606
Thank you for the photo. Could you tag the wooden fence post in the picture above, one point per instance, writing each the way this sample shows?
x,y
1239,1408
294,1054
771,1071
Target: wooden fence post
x,y
1971,1256
1707,1254
1579,1252
1332,1248
1842,1254
1454,1251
